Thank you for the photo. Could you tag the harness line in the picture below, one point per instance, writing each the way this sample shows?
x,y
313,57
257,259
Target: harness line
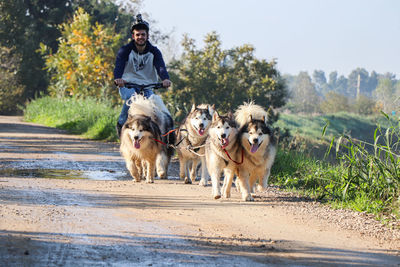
x,y
189,148
238,163
173,130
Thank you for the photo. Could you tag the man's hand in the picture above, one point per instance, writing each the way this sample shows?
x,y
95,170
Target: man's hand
x,y
166,83
119,82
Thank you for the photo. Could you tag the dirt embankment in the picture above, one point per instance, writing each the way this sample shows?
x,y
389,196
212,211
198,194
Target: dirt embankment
x,y
107,219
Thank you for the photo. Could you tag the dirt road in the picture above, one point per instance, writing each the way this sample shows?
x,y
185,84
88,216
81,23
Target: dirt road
x,y
66,201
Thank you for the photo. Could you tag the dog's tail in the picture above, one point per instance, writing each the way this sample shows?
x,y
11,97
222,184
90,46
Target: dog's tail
x,y
157,100
139,105
249,111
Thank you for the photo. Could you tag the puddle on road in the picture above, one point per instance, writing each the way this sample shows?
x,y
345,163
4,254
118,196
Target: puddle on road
x,y
65,174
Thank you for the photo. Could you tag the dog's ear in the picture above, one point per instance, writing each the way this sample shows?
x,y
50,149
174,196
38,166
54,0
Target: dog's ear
x,y
250,118
265,120
193,107
155,129
230,115
211,109
215,116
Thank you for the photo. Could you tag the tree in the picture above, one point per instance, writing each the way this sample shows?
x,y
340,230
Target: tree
x,y
82,64
334,102
304,96
11,89
364,105
372,83
332,80
224,77
341,86
386,94
24,24
319,80
353,82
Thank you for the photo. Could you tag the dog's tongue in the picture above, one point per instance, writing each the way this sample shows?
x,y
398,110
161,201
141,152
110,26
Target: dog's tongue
x,y
225,142
201,131
254,148
137,144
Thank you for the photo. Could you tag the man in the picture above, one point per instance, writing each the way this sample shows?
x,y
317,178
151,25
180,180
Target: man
x,y
138,62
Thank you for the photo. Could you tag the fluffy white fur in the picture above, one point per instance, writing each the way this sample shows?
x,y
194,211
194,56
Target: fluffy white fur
x,y
245,112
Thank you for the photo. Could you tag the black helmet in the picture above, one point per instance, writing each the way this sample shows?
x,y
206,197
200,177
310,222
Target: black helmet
x,y
140,24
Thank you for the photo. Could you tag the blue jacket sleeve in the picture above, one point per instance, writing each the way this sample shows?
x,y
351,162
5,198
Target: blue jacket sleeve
x,y
159,64
122,58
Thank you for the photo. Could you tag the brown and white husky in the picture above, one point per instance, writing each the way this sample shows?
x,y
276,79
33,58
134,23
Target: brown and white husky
x,y
259,144
141,136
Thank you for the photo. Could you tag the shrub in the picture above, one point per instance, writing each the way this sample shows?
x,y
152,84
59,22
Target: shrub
x,y
83,63
11,90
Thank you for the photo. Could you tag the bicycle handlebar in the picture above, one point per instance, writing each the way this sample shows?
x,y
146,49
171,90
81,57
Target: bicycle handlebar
x,y
144,86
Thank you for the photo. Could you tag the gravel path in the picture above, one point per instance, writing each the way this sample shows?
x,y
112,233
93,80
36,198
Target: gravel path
x,y
106,219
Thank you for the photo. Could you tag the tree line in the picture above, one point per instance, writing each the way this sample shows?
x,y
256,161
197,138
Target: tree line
x,y
25,24
68,50
360,92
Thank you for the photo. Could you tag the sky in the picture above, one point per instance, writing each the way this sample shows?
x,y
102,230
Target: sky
x,y
302,35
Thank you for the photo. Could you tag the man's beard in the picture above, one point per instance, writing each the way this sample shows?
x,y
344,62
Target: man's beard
x,y
140,44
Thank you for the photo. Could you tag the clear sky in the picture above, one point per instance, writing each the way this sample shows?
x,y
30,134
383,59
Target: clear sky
x,y
303,35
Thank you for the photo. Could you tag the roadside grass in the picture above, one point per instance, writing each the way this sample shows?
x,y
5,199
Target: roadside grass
x,y
364,177
319,180
90,118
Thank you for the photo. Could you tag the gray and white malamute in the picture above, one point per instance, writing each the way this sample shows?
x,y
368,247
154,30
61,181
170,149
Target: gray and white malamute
x,y
259,145
141,136
223,153
191,137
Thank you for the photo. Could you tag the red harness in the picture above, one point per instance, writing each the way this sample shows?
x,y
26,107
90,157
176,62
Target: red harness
x,y
238,163
161,142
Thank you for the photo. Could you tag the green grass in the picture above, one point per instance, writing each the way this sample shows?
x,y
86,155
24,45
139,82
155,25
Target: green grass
x,y
366,174
311,127
329,183
90,118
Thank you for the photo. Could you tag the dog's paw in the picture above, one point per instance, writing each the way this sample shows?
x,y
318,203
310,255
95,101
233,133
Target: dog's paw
x,y
217,196
150,181
162,175
188,181
260,188
203,182
136,180
248,198
227,195
237,186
